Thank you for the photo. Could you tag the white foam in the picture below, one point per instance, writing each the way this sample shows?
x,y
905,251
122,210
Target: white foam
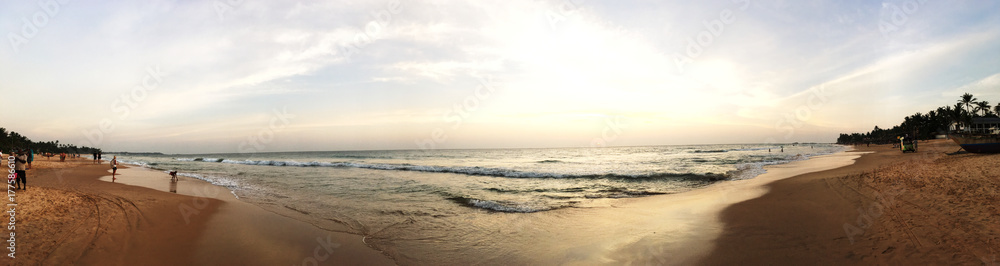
x,y
746,171
136,163
751,170
214,180
492,205
474,170
741,171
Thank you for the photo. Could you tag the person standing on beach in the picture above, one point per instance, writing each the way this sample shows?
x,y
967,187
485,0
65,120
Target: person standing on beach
x,y
31,157
21,180
114,168
94,155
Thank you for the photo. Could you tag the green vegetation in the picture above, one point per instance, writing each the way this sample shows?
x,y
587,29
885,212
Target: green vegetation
x,y
925,126
12,140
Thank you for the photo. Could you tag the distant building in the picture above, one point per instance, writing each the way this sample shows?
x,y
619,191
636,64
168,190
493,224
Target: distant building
x,y
985,125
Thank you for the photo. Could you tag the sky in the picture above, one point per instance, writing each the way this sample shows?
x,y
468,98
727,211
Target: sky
x,y
262,76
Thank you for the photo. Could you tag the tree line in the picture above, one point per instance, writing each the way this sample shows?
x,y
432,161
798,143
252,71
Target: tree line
x,y
927,125
10,141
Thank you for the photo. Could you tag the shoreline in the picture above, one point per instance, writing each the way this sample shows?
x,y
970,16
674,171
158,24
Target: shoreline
x,y
237,228
618,249
698,212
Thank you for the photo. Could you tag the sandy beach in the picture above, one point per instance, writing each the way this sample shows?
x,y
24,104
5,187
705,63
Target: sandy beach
x,y
889,208
928,207
70,213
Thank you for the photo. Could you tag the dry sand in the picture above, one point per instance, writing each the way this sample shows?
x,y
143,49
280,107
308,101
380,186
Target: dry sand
x,y
890,208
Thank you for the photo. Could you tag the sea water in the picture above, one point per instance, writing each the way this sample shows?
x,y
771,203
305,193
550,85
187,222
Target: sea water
x,y
504,180
438,192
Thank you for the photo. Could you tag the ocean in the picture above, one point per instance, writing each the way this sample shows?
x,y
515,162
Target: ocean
x,y
390,196
504,180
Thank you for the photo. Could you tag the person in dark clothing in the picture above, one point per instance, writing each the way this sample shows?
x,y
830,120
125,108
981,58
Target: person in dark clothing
x,y
19,161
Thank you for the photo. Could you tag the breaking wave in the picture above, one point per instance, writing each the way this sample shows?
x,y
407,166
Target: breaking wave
x,y
503,206
476,170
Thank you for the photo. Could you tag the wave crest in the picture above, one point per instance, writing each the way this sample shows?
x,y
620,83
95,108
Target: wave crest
x,y
502,206
481,171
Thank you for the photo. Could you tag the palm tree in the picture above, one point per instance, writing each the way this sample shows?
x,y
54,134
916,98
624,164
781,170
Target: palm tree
x,y
996,110
957,115
932,119
983,106
968,100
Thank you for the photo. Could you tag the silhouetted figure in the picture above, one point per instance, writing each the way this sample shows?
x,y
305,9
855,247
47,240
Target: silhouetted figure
x,y
22,176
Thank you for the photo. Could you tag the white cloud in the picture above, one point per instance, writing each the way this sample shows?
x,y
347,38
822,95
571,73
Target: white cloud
x,y
557,65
